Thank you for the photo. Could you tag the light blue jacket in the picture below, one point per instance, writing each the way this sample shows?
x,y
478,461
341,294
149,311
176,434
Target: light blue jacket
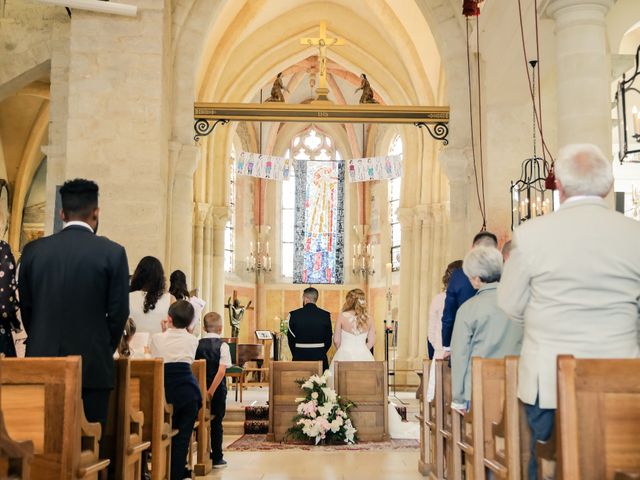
x,y
481,329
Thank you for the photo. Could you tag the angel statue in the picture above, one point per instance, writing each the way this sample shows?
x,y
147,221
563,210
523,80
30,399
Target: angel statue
x,y
236,313
367,91
276,90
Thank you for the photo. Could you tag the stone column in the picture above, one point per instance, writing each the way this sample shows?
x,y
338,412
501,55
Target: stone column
x,y
183,162
118,120
405,311
219,215
200,214
583,73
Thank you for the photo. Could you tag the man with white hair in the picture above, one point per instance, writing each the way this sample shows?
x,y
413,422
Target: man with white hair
x,y
573,280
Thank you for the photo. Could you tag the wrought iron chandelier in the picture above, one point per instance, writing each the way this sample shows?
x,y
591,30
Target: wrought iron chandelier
x,y
362,259
626,86
259,260
529,196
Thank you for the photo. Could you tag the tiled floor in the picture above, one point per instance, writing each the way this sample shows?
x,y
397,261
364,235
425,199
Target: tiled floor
x,y
299,465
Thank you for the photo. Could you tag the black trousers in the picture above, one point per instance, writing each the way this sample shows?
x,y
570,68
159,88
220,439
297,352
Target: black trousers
x,y
218,410
183,419
96,404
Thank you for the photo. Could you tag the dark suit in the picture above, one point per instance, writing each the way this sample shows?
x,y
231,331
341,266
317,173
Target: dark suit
x,y
74,299
459,291
310,326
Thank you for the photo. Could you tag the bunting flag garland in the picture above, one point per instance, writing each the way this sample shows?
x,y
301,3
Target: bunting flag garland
x,y
375,168
263,166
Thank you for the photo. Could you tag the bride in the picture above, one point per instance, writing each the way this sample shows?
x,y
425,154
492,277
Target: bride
x,y
354,337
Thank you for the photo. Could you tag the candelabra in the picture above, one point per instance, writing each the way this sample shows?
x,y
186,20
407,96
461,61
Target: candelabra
x,y
259,260
362,260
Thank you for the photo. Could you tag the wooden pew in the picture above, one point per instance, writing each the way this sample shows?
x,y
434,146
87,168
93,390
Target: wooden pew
x,y
423,415
508,456
15,457
41,402
430,462
365,384
446,428
434,423
203,464
122,439
598,418
283,390
147,395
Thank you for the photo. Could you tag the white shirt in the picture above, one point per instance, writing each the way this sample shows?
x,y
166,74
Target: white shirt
x,y
77,223
225,353
150,322
577,198
174,345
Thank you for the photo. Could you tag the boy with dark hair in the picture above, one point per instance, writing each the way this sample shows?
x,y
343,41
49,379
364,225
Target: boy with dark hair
x,y
216,352
178,349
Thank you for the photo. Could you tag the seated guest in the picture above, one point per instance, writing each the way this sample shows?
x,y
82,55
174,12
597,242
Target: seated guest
x,y
148,299
481,329
178,349
8,301
125,349
216,352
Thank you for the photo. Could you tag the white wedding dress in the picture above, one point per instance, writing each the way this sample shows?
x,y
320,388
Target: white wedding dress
x,y
353,348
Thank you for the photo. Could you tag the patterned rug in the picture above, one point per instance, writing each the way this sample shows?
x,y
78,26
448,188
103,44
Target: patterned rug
x,y
258,443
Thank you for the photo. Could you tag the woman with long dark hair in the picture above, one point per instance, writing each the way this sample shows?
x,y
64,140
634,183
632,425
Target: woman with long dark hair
x,y
149,301
8,301
178,288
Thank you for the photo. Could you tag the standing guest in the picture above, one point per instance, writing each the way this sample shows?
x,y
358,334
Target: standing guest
x,y
218,356
8,301
177,347
434,334
178,288
459,291
310,334
573,281
506,250
481,329
74,295
149,299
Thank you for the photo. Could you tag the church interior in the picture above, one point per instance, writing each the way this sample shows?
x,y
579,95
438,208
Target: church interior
x,y
228,139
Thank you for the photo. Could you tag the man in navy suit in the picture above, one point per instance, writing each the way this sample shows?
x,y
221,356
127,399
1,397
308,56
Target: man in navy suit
x,y
74,295
459,291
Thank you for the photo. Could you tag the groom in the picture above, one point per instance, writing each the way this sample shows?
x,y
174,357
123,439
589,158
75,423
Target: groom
x,y
310,333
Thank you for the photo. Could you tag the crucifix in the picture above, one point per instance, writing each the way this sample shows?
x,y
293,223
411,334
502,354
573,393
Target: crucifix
x,y
236,312
322,42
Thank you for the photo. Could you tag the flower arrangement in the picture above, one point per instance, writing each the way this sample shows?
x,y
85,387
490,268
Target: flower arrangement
x,y
323,416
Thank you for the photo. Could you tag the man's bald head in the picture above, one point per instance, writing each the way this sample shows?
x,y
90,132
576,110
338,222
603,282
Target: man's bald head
x,y
213,323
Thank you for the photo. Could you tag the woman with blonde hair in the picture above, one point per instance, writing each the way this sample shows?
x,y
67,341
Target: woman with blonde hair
x,y
354,336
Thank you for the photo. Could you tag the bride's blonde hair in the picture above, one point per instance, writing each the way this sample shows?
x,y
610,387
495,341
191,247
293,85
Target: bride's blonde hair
x,y
356,301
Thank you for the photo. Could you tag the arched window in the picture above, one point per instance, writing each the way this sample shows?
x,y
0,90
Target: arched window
x,y
395,186
229,228
311,144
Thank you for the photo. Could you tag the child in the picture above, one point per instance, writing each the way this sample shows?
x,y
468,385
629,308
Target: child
x,y
178,348
125,349
218,357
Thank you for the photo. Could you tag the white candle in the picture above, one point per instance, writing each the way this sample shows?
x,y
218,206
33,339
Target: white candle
x,y
251,247
267,248
634,114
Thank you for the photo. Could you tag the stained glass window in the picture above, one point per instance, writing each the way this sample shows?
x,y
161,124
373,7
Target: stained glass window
x,y
229,228
395,185
312,211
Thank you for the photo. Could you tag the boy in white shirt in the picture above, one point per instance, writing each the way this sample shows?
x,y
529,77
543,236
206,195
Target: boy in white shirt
x,y
178,349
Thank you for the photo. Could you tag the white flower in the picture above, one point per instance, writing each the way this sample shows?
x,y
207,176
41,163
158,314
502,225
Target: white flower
x,y
349,432
336,424
326,409
314,395
330,394
307,384
300,399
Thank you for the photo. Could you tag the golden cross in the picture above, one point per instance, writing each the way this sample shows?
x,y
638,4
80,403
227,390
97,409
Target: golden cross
x,y
322,42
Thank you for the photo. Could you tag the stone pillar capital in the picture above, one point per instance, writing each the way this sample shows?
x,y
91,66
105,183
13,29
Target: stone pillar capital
x,y
432,212
219,216
200,213
568,12
406,216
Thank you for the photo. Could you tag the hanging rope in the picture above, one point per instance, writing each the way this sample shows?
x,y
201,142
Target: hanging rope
x,y
472,7
550,180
